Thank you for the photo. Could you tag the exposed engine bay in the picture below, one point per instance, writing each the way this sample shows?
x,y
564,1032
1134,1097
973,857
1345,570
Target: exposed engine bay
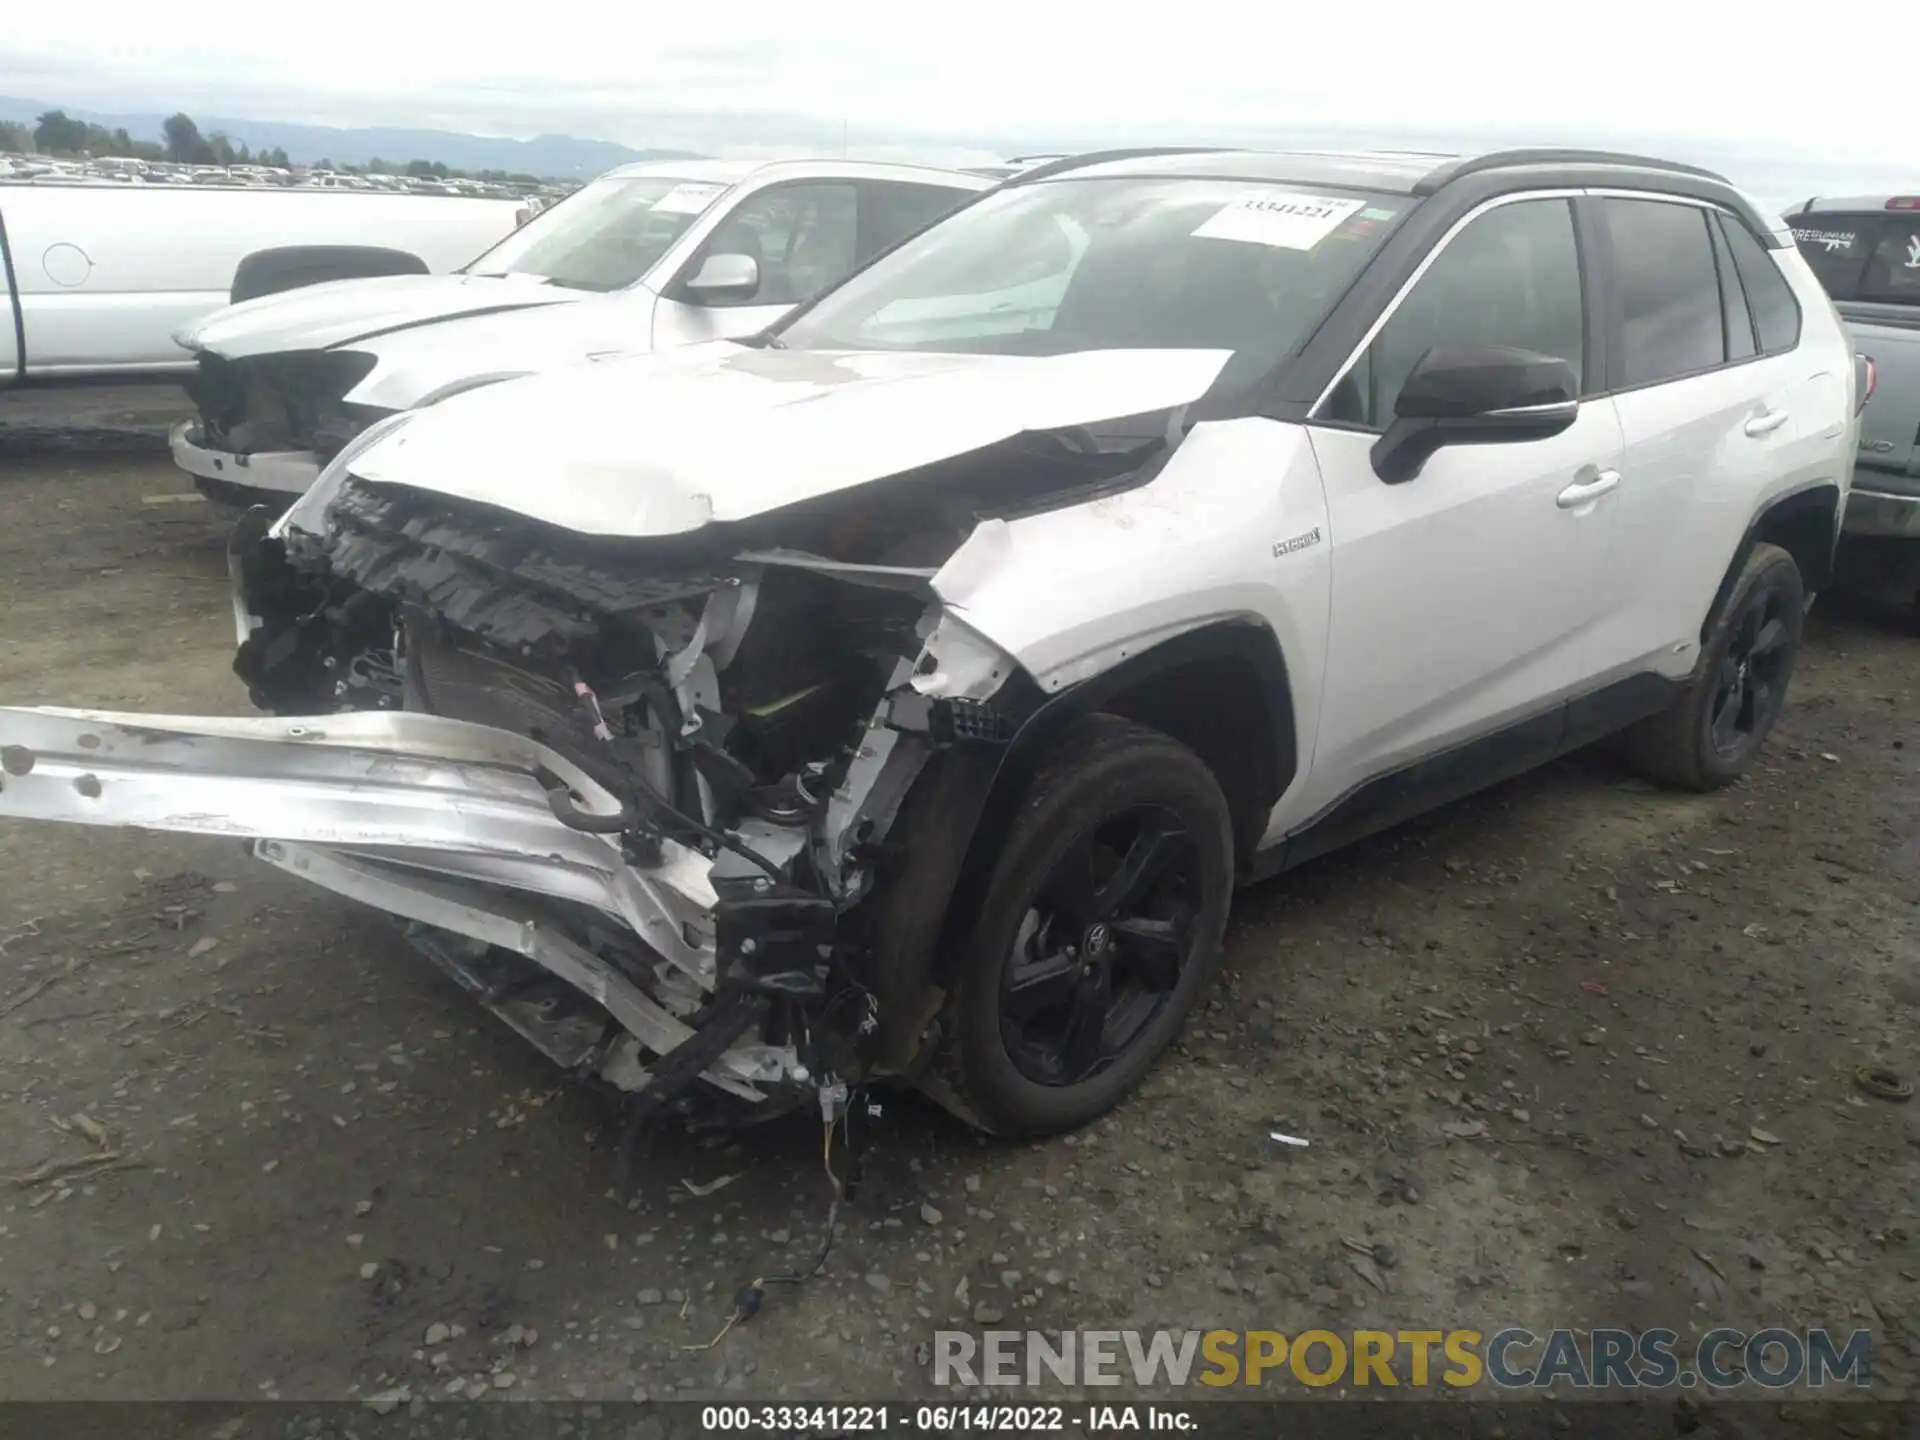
x,y
733,717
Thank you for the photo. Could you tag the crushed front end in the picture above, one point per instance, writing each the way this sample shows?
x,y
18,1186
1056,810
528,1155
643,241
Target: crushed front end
x,y
266,425
635,795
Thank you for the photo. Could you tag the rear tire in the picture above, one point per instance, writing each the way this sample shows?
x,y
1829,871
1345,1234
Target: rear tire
x,y
1100,926
1711,734
292,267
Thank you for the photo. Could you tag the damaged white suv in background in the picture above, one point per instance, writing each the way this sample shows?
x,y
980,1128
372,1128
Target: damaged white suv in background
x,y
647,256
904,692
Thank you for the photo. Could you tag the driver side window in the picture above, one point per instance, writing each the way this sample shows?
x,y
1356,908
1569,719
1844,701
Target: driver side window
x,y
1511,277
803,238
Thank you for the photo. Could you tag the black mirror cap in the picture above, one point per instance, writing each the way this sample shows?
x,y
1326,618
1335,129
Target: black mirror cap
x,y
1474,395
1459,382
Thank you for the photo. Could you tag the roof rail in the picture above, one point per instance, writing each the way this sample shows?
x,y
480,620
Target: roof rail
x,y
1505,159
1098,157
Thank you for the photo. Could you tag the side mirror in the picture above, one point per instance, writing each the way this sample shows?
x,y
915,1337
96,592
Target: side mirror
x,y
1474,395
725,277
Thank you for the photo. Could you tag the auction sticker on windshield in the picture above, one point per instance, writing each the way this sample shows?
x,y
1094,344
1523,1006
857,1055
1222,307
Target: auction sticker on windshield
x,y
1277,217
688,198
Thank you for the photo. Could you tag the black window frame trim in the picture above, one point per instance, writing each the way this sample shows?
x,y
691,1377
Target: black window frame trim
x,y
1767,253
1728,267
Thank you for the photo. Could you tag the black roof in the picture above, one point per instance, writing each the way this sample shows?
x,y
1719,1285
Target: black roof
x,y
1365,170
1404,172
1462,178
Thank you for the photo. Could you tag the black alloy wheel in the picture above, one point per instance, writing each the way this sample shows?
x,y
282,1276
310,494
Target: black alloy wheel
x,y
1098,928
1718,722
1751,681
1101,950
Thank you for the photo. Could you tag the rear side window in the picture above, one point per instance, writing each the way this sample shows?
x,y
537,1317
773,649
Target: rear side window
x,y
1892,276
1511,277
1776,311
891,212
1736,319
1668,291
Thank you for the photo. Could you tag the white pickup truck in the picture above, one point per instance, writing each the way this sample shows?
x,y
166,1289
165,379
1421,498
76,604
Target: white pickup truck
x,y
95,279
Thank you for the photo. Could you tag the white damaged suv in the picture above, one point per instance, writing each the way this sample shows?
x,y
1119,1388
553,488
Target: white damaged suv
x,y
904,692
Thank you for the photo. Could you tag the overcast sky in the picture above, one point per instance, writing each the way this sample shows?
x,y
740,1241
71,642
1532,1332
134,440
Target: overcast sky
x,y
980,73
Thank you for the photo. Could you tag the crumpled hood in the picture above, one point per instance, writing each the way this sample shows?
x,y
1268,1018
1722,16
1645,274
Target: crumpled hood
x,y
413,367
317,317
664,444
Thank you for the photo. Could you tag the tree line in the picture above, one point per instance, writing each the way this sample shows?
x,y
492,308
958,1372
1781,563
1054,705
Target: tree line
x,y
58,134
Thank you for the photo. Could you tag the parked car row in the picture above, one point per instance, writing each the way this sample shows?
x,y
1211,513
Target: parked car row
x,y
120,170
897,681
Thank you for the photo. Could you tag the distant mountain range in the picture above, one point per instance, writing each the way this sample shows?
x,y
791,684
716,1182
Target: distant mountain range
x,y
556,156
1773,174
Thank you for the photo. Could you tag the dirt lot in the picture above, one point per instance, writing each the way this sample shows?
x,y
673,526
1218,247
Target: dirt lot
x,y
1572,1053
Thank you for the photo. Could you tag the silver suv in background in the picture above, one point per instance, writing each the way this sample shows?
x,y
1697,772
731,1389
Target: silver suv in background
x,y
661,254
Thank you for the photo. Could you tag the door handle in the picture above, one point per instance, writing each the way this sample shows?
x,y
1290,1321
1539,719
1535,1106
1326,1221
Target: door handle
x,y
1766,423
1584,492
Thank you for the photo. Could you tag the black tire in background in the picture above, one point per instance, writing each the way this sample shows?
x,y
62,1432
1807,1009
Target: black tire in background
x,y
1710,735
290,267
1121,795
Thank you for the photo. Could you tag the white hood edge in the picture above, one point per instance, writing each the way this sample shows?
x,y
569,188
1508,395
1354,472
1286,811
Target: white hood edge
x,y
422,364
665,444
339,312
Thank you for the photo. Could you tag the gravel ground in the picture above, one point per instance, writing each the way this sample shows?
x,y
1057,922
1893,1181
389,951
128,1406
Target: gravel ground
x,y
129,418
1574,1052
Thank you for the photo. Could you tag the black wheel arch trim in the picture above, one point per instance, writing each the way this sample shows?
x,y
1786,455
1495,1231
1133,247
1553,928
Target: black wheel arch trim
x,y
1235,642
1820,496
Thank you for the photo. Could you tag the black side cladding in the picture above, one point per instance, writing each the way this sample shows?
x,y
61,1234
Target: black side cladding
x,y
491,573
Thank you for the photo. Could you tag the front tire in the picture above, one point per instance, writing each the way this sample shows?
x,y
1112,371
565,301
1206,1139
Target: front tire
x,y
1710,736
1100,926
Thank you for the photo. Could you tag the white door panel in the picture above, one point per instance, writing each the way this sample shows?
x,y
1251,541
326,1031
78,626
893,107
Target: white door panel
x,y
77,332
1698,452
1463,598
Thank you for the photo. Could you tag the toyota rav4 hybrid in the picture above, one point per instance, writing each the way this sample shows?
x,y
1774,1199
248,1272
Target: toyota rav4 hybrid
x,y
903,692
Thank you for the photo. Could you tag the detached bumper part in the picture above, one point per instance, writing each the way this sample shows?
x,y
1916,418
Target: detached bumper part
x,y
286,472
438,821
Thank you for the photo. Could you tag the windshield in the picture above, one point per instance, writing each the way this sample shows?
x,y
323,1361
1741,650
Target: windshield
x,y
1108,264
604,237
